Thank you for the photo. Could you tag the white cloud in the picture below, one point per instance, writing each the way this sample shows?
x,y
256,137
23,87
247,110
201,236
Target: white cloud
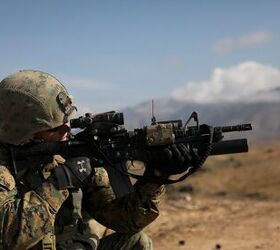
x,y
174,64
248,81
224,45
229,44
254,38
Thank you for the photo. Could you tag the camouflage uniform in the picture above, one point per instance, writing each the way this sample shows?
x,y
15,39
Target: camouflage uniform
x,y
26,218
32,215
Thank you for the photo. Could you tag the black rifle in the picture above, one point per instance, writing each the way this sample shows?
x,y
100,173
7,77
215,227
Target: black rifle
x,y
104,139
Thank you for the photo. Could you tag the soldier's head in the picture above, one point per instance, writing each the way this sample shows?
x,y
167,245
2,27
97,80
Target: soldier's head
x,y
33,104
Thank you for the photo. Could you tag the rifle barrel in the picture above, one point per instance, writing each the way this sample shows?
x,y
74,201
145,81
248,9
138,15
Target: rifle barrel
x,y
240,127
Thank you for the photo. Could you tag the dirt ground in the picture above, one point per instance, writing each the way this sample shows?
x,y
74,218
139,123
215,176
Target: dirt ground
x,y
233,203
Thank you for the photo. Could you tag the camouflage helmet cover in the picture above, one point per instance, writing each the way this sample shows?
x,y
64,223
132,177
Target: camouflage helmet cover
x,y
30,102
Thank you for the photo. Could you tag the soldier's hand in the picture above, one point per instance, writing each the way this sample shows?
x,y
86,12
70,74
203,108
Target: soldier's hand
x,y
168,160
74,173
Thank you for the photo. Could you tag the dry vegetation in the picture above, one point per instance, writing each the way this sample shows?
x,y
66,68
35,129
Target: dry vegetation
x,y
233,203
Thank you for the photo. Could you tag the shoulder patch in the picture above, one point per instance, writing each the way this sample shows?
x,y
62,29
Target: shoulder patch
x,y
6,178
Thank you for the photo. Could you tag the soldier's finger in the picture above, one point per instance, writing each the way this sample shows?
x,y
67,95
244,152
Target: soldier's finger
x,y
184,151
177,154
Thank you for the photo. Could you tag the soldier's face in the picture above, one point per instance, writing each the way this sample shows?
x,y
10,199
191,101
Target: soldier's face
x,y
56,134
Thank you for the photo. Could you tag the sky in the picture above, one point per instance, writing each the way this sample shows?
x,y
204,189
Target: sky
x,y
114,54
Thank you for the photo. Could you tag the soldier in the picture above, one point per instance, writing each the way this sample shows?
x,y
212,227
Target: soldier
x,y
38,207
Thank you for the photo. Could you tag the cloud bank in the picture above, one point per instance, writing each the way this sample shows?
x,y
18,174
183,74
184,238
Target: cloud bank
x,y
246,82
229,44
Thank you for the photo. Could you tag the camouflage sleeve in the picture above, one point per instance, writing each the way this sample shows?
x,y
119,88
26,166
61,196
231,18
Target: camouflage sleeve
x,y
25,219
130,213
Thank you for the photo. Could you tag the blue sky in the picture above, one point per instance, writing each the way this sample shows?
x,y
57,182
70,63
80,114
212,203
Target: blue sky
x,y
113,54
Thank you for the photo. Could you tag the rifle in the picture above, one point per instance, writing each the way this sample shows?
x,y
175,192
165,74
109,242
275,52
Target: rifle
x,y
104,139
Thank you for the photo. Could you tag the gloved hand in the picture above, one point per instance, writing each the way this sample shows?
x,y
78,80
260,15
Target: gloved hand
x,y
168,160
74,173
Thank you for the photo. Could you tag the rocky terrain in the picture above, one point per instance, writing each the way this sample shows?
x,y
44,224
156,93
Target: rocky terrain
x,y
232,204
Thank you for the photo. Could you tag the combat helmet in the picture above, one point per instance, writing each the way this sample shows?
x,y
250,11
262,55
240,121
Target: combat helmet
x,y
32,101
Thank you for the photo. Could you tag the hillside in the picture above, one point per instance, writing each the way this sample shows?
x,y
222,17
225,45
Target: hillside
x,y
232,204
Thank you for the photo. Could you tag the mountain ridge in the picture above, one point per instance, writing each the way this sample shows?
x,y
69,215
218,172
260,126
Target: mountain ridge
x,y
263,115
